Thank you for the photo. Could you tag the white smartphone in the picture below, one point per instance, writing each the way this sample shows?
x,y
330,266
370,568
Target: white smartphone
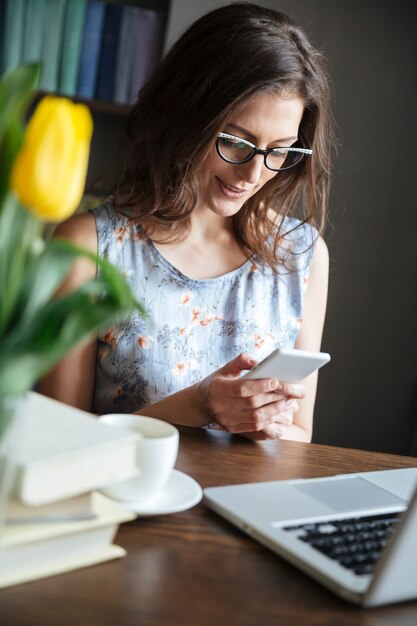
x,y
289,365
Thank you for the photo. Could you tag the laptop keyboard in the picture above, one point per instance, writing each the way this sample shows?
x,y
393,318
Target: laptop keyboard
x,y
356,543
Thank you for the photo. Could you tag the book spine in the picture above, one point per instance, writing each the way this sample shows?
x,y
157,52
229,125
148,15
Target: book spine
x,y
71,46
157,41
59,565
51,46
33,31
12,37
76,508
106,66
90,49
125,53
141,58
149,46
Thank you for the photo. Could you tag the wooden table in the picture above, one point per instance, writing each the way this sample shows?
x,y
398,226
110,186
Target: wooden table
x,y
194,569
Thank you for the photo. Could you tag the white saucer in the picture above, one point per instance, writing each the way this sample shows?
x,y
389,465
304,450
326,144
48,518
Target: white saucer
x,y
180,493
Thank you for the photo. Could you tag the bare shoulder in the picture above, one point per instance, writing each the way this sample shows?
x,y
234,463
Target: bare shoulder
x,y
321,253
80,229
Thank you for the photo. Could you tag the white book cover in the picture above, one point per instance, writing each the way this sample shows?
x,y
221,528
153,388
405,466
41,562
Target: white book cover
x,y
77,507
62,452
32,551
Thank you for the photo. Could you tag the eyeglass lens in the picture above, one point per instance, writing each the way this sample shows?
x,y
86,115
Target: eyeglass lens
x,y
236,151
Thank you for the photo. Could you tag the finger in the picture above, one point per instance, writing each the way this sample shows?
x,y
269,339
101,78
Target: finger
x,y
285,417
245,388
289,405
235,367
293,389
284,403
251,420
241,422
259,400
274,431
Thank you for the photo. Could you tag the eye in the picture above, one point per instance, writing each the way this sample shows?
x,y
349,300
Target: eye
x,y
279,153
234,143
234,149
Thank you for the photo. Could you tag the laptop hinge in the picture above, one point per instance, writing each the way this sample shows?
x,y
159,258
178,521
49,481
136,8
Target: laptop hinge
x,y
394,578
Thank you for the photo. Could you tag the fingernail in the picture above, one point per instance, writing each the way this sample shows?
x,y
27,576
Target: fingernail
x,y
275,385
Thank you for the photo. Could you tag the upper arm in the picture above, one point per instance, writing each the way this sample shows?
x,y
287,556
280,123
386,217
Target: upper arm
x,y
310,334
72,379
315,300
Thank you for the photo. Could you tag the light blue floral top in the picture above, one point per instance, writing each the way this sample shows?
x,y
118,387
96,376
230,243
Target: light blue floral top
x,y
193,326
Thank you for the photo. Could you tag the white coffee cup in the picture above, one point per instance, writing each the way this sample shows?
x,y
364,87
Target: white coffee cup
x,y
157,451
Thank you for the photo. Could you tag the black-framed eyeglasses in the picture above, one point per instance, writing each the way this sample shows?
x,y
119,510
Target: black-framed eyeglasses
x,y
236,150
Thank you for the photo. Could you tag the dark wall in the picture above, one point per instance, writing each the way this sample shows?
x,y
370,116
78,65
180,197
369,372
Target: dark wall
x,y
367,397
368,394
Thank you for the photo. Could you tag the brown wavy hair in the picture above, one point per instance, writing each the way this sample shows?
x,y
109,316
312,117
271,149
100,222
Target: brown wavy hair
x,y
225,59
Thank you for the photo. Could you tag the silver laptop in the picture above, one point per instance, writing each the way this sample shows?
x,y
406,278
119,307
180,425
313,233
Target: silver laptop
x,y
354,533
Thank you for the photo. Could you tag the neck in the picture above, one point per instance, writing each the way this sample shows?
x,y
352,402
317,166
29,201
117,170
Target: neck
x,y
204,224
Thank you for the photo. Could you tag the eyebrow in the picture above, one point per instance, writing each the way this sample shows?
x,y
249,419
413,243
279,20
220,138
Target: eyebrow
x,y
245,131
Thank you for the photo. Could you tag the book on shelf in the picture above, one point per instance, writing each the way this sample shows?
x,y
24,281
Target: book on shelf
x,y
71,46
90,49
63,451
106,65
33,551
33,30
125,53
11,41
156,45
75,508
51,45
148,50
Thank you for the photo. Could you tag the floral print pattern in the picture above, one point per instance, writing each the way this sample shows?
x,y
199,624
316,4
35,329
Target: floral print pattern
x,y
193,326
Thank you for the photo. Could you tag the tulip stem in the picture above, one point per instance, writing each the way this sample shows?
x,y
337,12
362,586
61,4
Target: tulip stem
x,y
19,229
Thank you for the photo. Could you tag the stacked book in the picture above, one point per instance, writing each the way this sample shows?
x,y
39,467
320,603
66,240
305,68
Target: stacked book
x,y
88,48
55,519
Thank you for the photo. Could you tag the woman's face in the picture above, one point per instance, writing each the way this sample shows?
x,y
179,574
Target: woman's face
x,y
269,121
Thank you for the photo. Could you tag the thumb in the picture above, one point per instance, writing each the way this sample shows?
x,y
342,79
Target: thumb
x,y
233,368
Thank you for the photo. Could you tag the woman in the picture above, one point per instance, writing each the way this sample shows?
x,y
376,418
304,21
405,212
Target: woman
x,y
216,222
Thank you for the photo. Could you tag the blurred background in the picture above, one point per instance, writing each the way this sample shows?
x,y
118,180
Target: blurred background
x,y
367,395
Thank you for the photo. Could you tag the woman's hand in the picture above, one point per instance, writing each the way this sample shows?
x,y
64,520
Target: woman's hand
x,y
260,409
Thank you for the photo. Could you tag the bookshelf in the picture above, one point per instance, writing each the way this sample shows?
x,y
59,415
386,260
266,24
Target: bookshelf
x,y
158,5
99,52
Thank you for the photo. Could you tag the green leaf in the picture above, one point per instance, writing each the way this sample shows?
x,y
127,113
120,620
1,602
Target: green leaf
x,y
18,229
53,327
16,88
9,147
44,275
57,329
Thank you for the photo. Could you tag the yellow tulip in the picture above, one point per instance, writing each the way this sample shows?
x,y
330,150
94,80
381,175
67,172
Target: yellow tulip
x,y
48,175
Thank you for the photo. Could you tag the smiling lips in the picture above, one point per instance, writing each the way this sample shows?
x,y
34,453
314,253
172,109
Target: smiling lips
x,y
231,192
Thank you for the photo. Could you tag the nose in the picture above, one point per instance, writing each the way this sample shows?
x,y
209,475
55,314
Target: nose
x,y
251,170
